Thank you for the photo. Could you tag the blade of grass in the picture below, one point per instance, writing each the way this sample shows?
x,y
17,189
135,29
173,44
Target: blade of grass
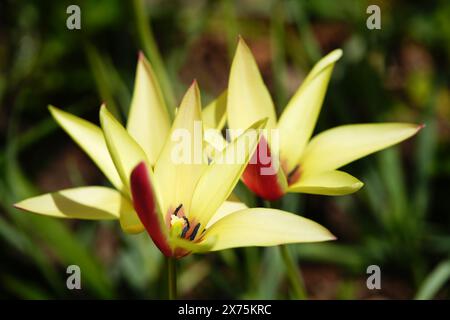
x,y
434,281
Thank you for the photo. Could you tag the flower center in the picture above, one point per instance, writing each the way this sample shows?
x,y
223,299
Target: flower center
x,y
181,226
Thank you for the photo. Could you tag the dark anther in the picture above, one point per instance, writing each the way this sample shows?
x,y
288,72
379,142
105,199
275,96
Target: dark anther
x,y
186,227
194,233
177,209
290,174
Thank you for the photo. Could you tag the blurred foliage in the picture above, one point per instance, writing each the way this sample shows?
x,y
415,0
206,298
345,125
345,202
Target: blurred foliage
x,y
400,220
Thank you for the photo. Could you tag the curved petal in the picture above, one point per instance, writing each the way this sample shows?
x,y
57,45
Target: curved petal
x,y
146,203
181,163
339,146
90,203
183,247
124,150
298,120
248,97
222,175
90,138
330,183
214,115
148,120
264,227
225,209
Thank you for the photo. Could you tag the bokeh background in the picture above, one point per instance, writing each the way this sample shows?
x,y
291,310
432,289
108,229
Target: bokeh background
x,y
400,220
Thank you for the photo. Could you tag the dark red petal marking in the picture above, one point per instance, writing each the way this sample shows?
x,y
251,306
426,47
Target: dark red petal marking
x,y
265,186
145,205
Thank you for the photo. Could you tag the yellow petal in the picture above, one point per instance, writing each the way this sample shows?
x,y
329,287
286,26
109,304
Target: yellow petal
x,y
339,146
222,175
130,222
264,227
225,209
90,203
192,247
90,138
148,121
214,114
214,142
298,120
330,183
125,151
248,97
180,164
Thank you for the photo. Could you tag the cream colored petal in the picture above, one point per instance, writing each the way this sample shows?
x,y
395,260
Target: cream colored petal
x,y
214,115
225,209
90,138
298,120
181,161
148,121
264,227
124,150
330,183
248,97
339,146
222,175
90,203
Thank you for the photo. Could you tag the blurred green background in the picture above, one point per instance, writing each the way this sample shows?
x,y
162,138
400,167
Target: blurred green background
x,y
400,219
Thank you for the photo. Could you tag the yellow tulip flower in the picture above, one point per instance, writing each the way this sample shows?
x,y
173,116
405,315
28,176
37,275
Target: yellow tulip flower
x,y
307,165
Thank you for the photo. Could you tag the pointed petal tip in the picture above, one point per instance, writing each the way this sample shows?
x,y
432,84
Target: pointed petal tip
x,y
194,84
242,45
336,54
141,55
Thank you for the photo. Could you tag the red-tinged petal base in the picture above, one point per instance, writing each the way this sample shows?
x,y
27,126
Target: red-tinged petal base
x,y
267,185
144,202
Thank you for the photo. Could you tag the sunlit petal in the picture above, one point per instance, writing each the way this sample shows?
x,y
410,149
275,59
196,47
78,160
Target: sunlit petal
x,y
90,138
248,97
264,227
90,203
148,121
214,115
125,151
222,175
298,120
332,183
181,162
225,209
339,146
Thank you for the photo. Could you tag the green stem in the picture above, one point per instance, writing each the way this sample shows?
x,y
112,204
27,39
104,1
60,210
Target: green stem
x,y
294,276
172,278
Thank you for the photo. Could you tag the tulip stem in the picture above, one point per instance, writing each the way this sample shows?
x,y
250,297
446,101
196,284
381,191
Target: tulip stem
x,y
172,278
293,273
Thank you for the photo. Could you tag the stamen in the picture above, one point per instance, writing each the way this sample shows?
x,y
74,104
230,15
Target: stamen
x,y
177,209
186,227
194,232
292,172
